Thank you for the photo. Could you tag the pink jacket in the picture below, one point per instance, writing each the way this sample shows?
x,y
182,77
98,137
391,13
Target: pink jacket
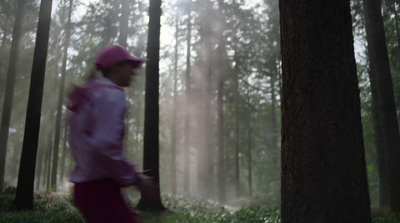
x,y
96,133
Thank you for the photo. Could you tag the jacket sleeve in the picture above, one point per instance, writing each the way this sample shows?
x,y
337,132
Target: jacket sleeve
x,y
108,136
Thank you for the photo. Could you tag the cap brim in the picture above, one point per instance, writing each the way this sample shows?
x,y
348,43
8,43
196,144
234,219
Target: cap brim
x,y
137,61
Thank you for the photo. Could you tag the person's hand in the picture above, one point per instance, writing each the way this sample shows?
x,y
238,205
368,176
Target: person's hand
x,y
148,188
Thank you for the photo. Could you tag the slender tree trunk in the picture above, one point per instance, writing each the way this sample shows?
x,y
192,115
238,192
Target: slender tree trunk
x,y
396,17
221,146
249,144
39,168
205,153
274,138
174,106
200,142
61,99
208,127
9,92
64,154
2,58
14,159
151,120
220,112
249,156
186,161
24,194
237,118
381,75
47,161
122,40
384,194
124,23
41,161
324,176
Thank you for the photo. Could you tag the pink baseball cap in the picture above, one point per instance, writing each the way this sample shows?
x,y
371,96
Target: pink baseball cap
x,y
113,54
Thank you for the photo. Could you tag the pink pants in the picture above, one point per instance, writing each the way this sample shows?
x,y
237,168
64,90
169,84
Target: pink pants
x,y
102,202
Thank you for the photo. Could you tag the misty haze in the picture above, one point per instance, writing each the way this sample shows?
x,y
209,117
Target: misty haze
x,y
245,111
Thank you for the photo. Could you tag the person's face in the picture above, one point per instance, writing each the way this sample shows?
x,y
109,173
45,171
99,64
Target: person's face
x,y
122,74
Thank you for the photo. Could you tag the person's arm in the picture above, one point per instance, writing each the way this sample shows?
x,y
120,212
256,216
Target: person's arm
x,y
108,137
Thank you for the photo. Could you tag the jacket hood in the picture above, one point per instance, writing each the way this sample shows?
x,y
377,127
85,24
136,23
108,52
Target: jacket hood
x,y
81,94
77,96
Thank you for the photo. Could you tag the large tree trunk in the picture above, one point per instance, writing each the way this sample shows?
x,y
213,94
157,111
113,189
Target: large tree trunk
x,y
381,81
9,92
61,99
323,162
186,159
24,194
151,121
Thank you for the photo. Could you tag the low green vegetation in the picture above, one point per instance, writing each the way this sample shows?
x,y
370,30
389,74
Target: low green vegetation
x,y
53,208
48,208
184,209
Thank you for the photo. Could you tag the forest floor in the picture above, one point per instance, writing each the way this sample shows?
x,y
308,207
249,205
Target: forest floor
x,y
54,208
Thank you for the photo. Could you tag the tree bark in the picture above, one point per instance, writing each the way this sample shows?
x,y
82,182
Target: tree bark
x,y
381,81
323,161
24,194
9,92
151,121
